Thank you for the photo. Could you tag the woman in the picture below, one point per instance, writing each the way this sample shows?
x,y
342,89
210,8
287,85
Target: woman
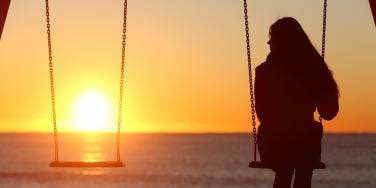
x,y
289,86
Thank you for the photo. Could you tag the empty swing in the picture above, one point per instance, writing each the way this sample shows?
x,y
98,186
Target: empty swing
x,y
81,164
255,163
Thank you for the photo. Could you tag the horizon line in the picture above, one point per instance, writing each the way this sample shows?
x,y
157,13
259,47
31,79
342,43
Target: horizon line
x,y
172,133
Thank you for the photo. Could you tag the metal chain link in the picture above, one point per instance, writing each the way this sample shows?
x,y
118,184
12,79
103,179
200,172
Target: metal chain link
x,y
250,76
124,37
52,83
323,35
324,29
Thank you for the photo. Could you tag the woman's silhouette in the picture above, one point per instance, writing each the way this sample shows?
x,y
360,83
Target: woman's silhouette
x,y
289,86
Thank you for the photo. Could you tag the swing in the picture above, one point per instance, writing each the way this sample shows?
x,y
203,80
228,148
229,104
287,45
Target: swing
x,y
255,163
83,164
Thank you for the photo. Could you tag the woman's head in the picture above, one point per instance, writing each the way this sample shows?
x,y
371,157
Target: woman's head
x,y
288,37
295,52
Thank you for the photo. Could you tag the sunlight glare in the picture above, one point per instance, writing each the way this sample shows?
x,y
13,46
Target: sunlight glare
x,y
92,112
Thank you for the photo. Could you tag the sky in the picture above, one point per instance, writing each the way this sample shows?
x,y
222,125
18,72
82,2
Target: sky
x,y
186,68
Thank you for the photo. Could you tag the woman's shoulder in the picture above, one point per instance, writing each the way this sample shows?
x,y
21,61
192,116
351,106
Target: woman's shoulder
x,y
265,65
262,68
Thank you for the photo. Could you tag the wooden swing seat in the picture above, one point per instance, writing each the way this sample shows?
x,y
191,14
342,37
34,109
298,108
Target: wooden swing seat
x,y
82,164
259,164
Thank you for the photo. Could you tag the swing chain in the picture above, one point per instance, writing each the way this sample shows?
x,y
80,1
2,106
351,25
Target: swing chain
x,y
124,37
324,29
52,83
323,36
250,76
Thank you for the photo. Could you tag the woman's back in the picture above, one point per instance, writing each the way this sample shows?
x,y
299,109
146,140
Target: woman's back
x,y
281,99
288,134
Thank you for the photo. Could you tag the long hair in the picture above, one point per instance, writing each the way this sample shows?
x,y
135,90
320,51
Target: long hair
x,y
297,54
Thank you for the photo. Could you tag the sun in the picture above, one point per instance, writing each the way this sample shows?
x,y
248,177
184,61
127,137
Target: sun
x,y
92,112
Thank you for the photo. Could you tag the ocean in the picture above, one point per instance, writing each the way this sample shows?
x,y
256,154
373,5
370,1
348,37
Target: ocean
x,y
173,160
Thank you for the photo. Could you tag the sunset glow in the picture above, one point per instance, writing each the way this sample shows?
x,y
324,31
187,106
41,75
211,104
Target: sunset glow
x,y
185,63
92,112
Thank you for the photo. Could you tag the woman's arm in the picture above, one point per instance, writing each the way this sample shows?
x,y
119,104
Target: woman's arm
x,y
328,108
260,93
328,105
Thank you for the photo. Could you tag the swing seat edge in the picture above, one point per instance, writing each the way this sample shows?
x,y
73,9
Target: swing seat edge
x,y
83,164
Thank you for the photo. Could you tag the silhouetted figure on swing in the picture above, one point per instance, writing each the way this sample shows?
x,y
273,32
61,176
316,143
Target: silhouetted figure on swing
x,y
289,86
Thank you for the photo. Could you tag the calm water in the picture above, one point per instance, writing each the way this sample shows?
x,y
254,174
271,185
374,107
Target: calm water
x,y
176,160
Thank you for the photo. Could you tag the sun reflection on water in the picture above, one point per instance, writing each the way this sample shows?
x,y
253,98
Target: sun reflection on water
x,y
92,172
92,152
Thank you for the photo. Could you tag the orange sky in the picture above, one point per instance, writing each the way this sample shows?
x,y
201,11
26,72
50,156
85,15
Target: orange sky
x,y
186,63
